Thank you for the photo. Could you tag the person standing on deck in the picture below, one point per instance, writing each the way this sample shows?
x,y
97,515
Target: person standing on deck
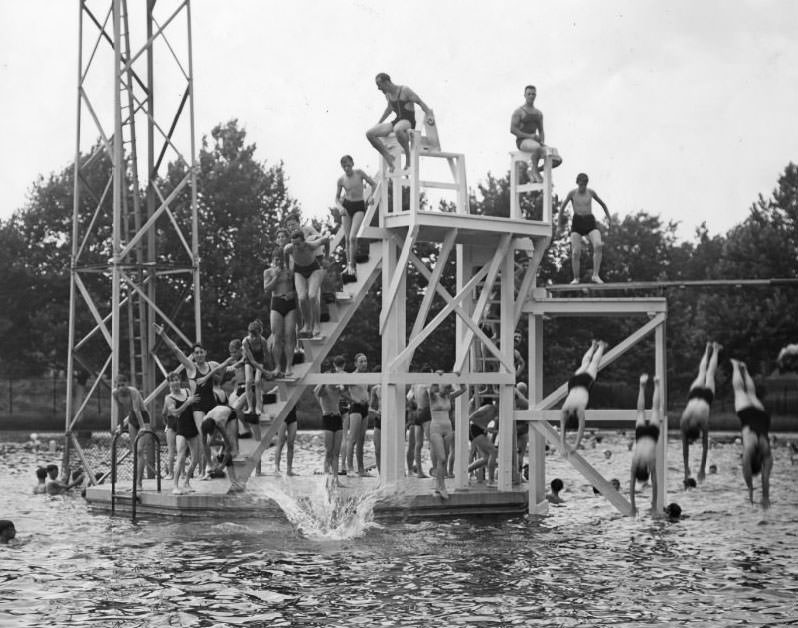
x,y
584,224
352,208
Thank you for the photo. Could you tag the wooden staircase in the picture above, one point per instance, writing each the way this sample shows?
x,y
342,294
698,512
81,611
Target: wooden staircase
x,y
316,349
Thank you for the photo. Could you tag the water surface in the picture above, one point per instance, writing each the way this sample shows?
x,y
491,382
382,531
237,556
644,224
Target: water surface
x,y
726,564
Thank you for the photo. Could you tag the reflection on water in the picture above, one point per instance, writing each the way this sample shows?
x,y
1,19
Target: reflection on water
x,y
726,564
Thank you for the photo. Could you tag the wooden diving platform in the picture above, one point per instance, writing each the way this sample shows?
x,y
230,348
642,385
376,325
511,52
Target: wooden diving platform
x,y
656,285
411,499
475,229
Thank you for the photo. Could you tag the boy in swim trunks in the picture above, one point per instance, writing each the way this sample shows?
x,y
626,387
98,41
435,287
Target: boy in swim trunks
x,y
755,425
352,208
579,392
695,418
584,224
329,397
401,102
308,275
131,408
644,456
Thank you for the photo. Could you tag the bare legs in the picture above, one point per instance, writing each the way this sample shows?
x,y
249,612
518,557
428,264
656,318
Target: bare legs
x,y
578,396
753,443
438,453
287,436
374,135
576,255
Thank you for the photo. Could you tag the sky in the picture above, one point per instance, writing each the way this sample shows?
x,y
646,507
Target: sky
x,y
683,109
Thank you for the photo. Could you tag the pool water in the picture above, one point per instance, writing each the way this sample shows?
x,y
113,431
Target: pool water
x,y
727,563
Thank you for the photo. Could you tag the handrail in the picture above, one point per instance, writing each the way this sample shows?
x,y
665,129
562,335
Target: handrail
x,y
144,432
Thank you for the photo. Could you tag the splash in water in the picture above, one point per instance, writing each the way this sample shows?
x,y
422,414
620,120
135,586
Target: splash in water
x,y
322,510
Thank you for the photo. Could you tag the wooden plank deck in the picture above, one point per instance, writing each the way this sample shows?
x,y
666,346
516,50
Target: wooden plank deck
x,y
413,499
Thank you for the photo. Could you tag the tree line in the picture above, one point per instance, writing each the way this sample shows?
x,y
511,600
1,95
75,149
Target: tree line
x,y
242,200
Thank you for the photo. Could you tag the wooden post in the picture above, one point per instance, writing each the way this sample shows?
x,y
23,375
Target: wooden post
x,y
661,371
461,446
537,444
393,395
507,391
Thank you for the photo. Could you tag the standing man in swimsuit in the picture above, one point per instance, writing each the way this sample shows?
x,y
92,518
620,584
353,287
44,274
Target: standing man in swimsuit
x,y
359,399
279,280
329,398
131,409
352,207
401,102
695,417
755,425
308,275
584,224
526,124
419,395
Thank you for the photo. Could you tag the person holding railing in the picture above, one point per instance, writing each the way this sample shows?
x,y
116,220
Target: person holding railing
x,y
352,208
441,435
131,408
401,102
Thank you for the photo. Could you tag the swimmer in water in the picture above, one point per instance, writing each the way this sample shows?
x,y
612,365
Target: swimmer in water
x,y
7,531
695,418
644,456
41,476
554,496
579,392
755,425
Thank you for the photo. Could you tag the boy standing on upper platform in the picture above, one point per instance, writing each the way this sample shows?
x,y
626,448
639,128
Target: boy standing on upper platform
x,y
584,224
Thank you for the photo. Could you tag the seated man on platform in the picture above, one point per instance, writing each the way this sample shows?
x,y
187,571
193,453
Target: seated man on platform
x,y
526,124
401,101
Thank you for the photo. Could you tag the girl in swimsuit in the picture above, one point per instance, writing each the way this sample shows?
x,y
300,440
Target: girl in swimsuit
x,y
644,456
441,435
258,361
200,374
179,404
280,281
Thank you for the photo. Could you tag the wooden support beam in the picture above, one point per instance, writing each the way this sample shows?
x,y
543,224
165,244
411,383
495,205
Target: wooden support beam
x,y
463,315
608,358
398,276
603,415
479,307
433,282
595,307
541,245
588,472
407,352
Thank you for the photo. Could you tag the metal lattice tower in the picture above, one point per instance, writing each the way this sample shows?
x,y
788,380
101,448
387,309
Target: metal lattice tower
x,y
118,274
